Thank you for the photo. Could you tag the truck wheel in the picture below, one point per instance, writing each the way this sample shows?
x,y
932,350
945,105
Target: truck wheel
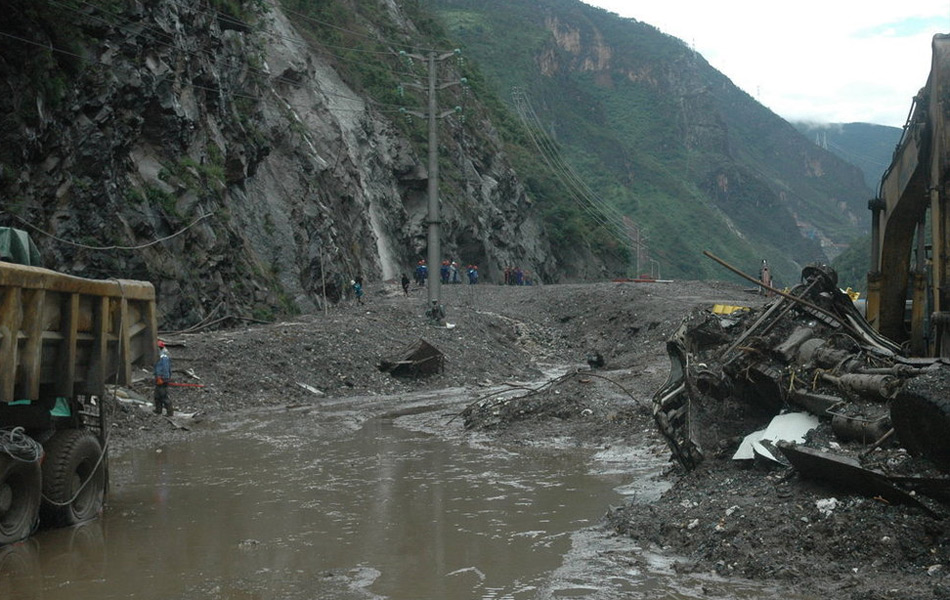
x,y
19,498
72,459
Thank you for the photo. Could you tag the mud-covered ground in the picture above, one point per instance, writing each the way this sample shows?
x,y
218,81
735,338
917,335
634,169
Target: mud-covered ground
x,y
533,344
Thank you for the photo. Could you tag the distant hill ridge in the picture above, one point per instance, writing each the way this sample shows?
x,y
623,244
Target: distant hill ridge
x,y
655,130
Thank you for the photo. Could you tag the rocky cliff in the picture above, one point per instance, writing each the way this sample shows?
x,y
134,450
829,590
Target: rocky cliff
x,y
213,148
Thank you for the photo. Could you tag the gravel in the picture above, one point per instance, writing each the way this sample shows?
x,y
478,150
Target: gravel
x,y
751,522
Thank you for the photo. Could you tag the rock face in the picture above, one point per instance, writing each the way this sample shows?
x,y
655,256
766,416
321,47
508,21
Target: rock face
x,y
221,156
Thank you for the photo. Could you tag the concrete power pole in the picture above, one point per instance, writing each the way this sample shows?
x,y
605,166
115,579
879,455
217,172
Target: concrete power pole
x,y
434,307
434,289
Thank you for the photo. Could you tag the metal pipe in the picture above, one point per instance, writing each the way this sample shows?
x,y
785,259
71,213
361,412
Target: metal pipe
x,y
791,297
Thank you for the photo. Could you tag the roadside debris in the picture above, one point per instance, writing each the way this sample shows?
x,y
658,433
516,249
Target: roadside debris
x,y
422,358
810,349
846,474
561,397
311,389
787,427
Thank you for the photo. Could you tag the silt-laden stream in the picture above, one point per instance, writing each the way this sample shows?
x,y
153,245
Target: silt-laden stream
x,y
314,504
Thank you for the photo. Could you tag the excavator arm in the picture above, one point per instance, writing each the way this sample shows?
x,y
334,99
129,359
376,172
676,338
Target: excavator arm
x,y
914,191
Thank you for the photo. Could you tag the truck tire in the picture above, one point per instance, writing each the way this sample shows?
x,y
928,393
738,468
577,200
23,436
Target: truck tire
x,y
19,498
72,459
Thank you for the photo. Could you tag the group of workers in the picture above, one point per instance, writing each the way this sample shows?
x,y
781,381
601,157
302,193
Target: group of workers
x,y
449,272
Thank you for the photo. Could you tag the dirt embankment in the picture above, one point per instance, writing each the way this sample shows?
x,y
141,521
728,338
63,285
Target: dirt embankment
x,y
767,525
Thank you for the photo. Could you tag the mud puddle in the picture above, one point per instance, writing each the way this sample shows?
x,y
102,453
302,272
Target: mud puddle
x,y
301,504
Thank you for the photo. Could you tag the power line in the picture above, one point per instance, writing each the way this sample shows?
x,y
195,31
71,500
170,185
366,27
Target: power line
x,y
602,212
855,155
566,171
114,247
350,31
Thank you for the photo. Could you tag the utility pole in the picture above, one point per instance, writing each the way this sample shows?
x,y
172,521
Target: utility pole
x,y
434,295
434,307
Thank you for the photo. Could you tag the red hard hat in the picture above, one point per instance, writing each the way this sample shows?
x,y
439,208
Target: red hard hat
x,y
161,344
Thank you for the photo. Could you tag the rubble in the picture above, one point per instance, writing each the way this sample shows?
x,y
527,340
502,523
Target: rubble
x,y
422,358
751,520
808,349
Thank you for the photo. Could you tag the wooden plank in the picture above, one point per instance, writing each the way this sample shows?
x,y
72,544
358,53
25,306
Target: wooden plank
x,y
150,350
125,344
99,354
9,329
70,319
31,359
67,350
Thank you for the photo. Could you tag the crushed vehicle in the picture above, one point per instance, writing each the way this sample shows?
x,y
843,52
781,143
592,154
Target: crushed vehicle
x,y
810,350
63,340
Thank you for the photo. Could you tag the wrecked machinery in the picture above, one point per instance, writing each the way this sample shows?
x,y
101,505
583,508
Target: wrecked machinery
x,y
63,339
809,350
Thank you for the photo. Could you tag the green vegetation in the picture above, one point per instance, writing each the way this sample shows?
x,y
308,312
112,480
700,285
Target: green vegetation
x,y
394,79
359,53
853,265
657,133
155,196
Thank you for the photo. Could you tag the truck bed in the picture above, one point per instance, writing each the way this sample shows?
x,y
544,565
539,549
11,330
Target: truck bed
x,y
62,336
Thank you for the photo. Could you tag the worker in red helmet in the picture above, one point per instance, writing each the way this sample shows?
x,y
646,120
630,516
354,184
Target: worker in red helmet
x,y
163,375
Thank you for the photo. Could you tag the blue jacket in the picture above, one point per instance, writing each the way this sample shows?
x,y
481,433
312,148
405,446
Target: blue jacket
x,y
163,366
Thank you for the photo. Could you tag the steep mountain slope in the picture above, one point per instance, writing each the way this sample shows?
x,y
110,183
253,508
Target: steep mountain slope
x,y
871,148
232,151
868,147
664,137
250,157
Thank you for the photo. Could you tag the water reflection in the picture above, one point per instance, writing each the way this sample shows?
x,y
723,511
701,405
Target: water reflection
x,y
285,507
295,505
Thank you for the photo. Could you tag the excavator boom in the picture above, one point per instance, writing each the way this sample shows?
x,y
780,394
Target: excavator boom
x,y
914,192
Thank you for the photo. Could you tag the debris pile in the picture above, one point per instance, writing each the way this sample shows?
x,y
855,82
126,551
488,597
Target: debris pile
x,y
809,350
421,358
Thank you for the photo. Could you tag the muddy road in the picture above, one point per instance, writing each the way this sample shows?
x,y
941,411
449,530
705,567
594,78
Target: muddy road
x,y
298,469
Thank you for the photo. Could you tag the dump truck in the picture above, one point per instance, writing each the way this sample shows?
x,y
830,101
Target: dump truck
x,y
65,341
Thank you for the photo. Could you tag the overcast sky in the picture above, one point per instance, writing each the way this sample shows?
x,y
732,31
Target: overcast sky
x,y
829,61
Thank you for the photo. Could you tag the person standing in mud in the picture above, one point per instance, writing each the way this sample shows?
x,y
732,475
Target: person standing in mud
x,y
163,376
405,284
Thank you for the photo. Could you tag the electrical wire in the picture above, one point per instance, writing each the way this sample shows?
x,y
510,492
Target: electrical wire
x,y
603,208
344,30
19,446
114,247
201,54
601,212
599,209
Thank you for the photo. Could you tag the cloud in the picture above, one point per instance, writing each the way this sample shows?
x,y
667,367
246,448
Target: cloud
x,y
833,61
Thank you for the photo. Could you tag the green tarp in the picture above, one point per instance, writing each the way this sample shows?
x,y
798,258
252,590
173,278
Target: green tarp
x,y
17,247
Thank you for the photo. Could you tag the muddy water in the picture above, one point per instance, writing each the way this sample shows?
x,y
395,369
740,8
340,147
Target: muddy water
x,y
289,506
